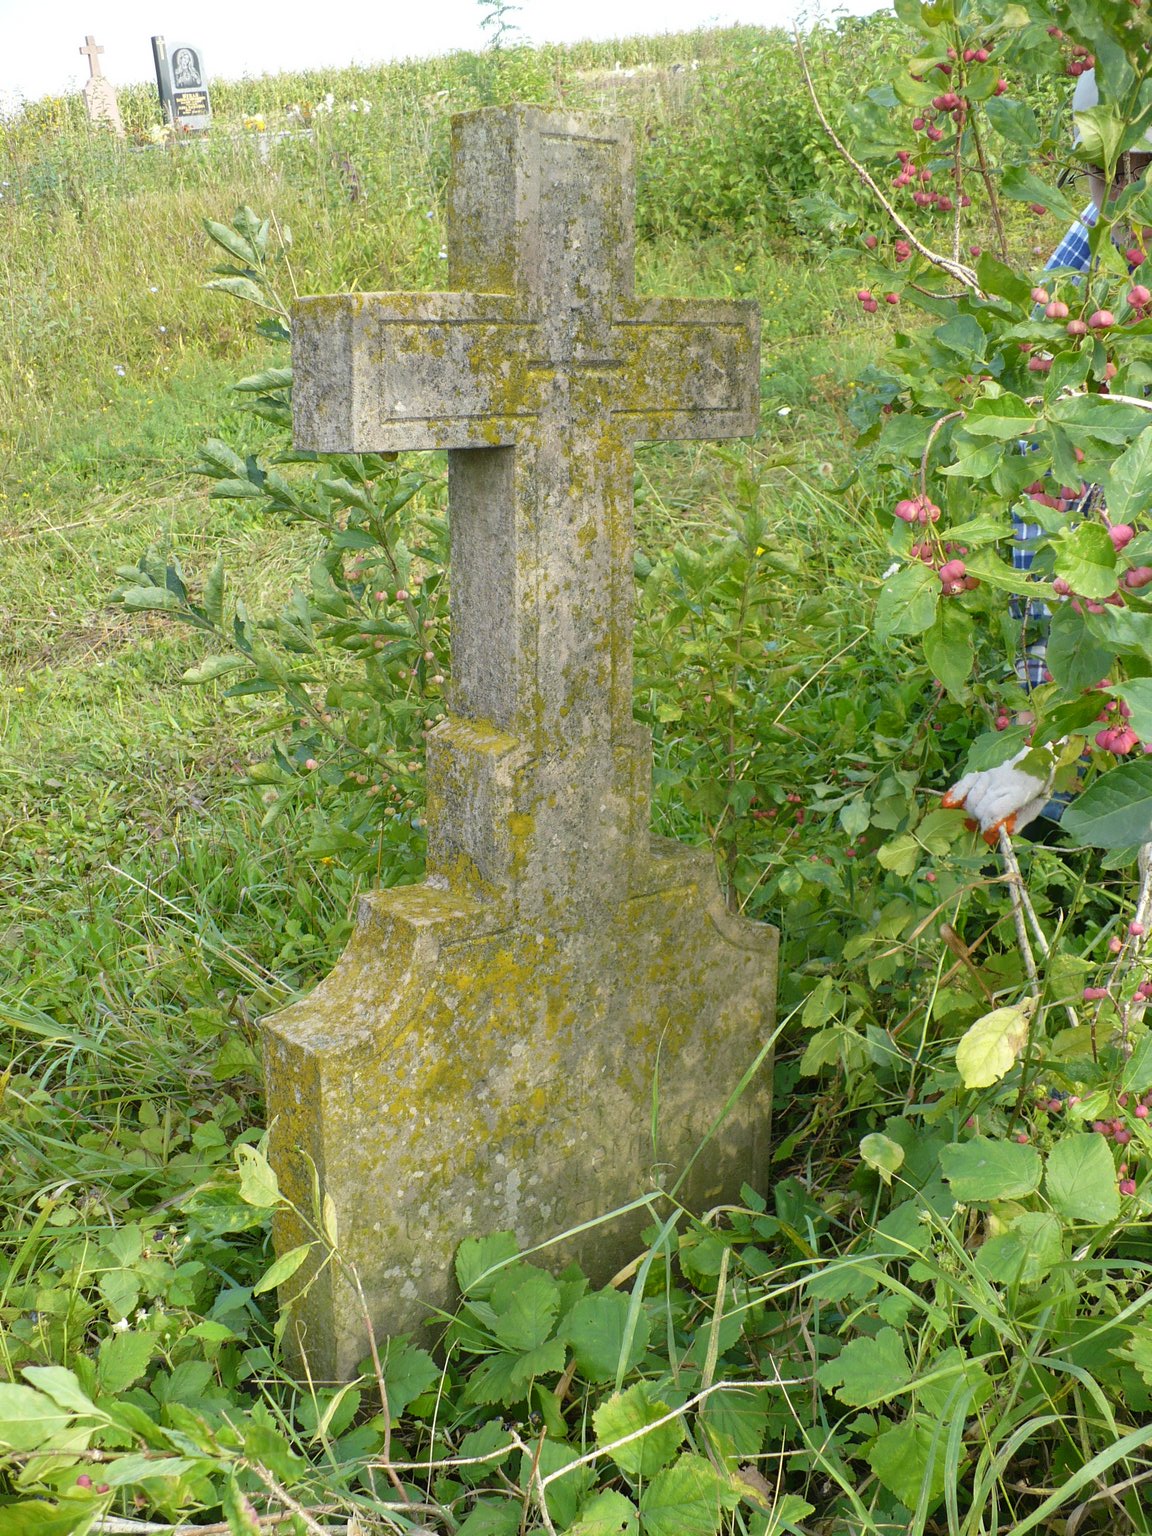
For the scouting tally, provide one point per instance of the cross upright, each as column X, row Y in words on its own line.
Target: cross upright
column 538, row 371
column 488, row 1052
column 93, row 53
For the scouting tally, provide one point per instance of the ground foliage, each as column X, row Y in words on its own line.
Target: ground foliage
column 935, row 1319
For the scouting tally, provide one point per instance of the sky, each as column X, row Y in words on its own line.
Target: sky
column 41, row 41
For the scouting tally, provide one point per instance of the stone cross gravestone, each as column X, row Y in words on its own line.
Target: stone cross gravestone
column 99, row 93
column 495, row 1045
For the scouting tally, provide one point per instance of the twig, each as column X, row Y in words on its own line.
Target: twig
column 1134, row 942
column 1015, row 890
column 286, row 1498
column 119, row 1525
column 936, row 425
column 990, row 188
column 956, row 269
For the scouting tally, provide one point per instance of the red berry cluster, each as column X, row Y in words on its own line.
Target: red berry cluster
column 917, row 509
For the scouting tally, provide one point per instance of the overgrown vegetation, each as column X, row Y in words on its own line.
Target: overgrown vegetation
column 216, row 662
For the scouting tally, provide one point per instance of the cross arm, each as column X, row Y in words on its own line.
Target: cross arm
column 390, row 372
column 691, row 368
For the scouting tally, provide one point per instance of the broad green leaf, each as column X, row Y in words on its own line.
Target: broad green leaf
column 1005, row 282
column 1137, row 694
column 1115, row 811
column 735, row 1423
column 1100, row 130
column 214, row 666
column 242, row 288
column 868, row 1370
column 1015, row 122
column 490, row 1437
column 123, row 1359
column 907, row 602
column 994, row 748
column 1110, row 421
column 1026, row 1254
column 1075, row 657
column 594, row 1331
column 687, row 1499
column 900, row 854
column 949, row 649
column 27, row 1418
column 1137, row 1074
column 233, row 242
column 786, row 1514
column 855, row 816
column 530, row 1314
column 61, row 1386
column 283, row 1269
column 988, row 1049
column 983, row 1169
column 1128, row 483
column 259, row 1185
column 145, row 599
column 493, row 1517
column 908, row 1456
column 120, row 1290
column 543, row 1360
column 936, row 1385
column 239, row 1511
column 1003, row 417
column 1025, row 186
column 214, row 594
column 1081, row 1179
column 1086, row 558
column 963, row 335
column 607, row 1514
column 632, row 1410
column 476, row 1256
column 882, row 1153
column 267, row 379
column 33, row 1517
column 127, row 1470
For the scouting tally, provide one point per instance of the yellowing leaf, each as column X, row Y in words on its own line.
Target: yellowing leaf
column 989, row 1049
column 882, row 1153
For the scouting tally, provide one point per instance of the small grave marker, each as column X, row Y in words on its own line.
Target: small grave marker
column 99, row 93
column 484, row 1054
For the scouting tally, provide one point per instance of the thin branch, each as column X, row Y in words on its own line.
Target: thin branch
column 955, row 269
column 1015, row 889
column 386, row 1450
column 285, row 1498
column 990, row 188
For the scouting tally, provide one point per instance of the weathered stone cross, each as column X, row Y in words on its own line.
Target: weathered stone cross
column 484, row 1055
column 93, row 53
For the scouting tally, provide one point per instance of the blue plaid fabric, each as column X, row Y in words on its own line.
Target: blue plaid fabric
column 1071, row 254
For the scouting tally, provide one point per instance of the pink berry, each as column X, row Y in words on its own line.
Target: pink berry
column 1040, row 295
column 863, row 293
column 311, row 764
column 103, row 1488
column 930, row 876
column 83, row 1481
column 974, row 250
column 1115, row 944
column 1077, row 328
column 1139, row 576
column 1038, row 208
column 1121, row 534
column 891, row 298
column 1039, row 364
column 1101, row 319
column 1094, row 994
column 1141, row 1111
column 981, row 55
column 1122, row 1137
column 871, row 242
column 1127, row 1186
column 870, row 306
column 952, row 570
column 1136, row 930
column 1138, row 296
column 902, row 250
column 934, row 133
column 1057, row 310
column 1001, row 722
column 401, row 595
column 1134, row 256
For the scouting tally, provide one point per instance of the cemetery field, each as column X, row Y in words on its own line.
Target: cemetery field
column 212, row 729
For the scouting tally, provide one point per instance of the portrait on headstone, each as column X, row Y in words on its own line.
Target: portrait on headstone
column 186, row 74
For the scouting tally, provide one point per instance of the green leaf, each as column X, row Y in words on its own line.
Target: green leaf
column 687, row 1499
column 1128, row 483
column 1115, row 811
column 259, row 1185
column 1137, row 694
column 1138, row 1350
column 283, row 1269
column 238, row 1511
column 964, row 335
column 214, row 666
column 1026, row 1254
column 214, row 594
column 907, row 602
column 906, row 1457
column 1137, row 1074
column 1025, row 186
column 120, row 1290
column 882, row 1153
column 1081, row 1179
column 607, row 1514
column 1086, row 558
column 1003, row 417
column 736, row 1422
column 267, row 379
column 868, row 1371
column 146, row 599
column 949, row 649
column 61, row 1386
column 1108, row 420
column 233, row 242
column 408, row 1373
column 242, row 288
column 594, row 1330
column 123, row 1359
column 477, row 1255
column 988, row 1049
column 1075, row 658
column 493, row 1517
column 127, row 1470
column 33, row 1517
column 627, row 1412
column 27, row 1418
column 531, row 1313
column 983, row 1169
